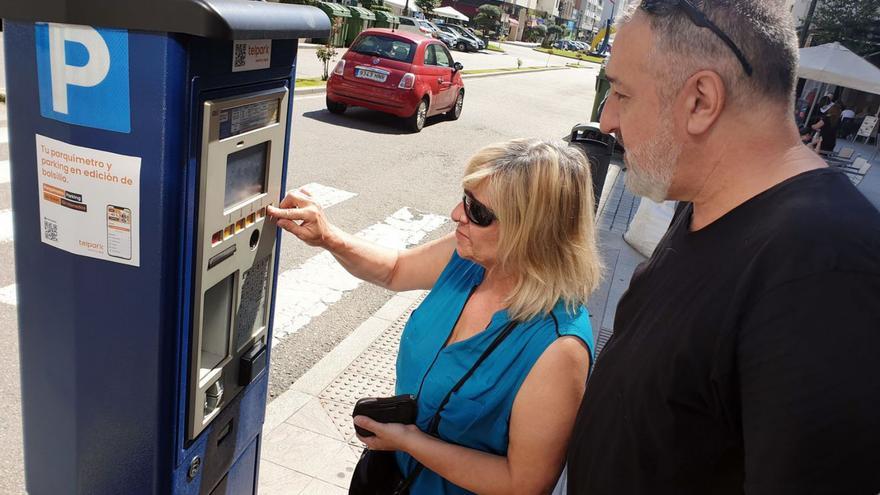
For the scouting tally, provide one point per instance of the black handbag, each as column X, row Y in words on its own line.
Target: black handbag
column 377, row 473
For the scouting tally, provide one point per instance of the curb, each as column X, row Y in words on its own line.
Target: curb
column 323, row 89
column 322, row 374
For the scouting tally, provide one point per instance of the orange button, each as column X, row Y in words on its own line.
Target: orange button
column 261, row 213
column 251, row 219
column 217, row 237
column 227, row 232
column 239, row 226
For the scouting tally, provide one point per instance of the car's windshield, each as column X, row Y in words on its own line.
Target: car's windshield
column 426, row 24
column 381, row 46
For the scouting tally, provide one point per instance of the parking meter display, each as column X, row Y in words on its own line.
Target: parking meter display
column 238, row 120
column 246, row 174
column 119, row 232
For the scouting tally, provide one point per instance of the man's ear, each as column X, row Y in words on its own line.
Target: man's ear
column 704, row 95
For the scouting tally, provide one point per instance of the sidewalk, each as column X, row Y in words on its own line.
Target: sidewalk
column 309, row 446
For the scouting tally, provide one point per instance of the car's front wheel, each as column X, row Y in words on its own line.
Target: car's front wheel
column 416, row 121
column 335, row 107
column 461, row 47
column 455, row 112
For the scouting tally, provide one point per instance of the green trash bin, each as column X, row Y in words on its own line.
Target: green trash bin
column 386, row 20
column 602, row 87
column 360, row 19
column 338, row 15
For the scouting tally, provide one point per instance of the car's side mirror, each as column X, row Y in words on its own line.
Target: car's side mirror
column 457, row 66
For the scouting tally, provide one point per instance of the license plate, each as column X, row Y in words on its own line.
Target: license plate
column 371, row 75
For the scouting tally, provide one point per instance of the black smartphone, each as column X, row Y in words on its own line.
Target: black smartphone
column 397, row 409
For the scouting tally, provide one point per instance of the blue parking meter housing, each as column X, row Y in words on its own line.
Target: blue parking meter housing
column 146, row 141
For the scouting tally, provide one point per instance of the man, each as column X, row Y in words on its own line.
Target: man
column 745, row 354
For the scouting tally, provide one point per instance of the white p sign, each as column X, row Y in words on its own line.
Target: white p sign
column 63, row 74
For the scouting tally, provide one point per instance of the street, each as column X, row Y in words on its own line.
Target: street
column 376, row 178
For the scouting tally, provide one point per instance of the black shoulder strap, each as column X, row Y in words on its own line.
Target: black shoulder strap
column 435, row 422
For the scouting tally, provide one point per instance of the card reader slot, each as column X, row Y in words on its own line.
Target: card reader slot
column 223, row 256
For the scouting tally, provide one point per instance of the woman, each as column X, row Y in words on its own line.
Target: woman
column 829, row 119
column 523, row 251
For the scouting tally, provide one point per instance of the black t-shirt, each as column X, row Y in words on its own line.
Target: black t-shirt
column 746, row 355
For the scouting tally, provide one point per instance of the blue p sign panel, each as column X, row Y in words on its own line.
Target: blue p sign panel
column 83, row 76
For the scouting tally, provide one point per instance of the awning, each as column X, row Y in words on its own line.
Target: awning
column 334, row 9
column 400, row 4
column 450, row 13
column 386, row 17
column 362, row 13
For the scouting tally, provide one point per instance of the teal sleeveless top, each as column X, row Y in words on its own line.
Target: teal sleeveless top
column 478, row 415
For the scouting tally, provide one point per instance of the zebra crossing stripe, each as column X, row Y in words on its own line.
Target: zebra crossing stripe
column 8, row 295
column 5, row 225
column 310, row 289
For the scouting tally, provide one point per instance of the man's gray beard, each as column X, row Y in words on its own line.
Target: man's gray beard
column 651, row 166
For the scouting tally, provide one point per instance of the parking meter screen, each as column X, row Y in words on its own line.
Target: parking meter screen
column 246, row 174
column 238, row 120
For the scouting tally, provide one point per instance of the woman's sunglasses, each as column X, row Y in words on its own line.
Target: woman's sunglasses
column 477, row 213
column 664, row 7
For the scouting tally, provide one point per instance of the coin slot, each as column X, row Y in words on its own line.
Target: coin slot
column 239, row 144
column 224, row 433
column 255, row 238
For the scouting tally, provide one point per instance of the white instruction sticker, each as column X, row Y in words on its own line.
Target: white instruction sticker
column 89, row 201
column 251, row 55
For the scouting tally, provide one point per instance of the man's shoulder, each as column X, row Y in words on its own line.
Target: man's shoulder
column 819, row 223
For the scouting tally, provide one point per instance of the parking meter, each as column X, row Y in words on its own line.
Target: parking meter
column 599, row 147
column 147, row 139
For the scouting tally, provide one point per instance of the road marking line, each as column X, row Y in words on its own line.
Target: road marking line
column 4, row 172
column 5, row 225
column 310, row 289
column 8, row 295
column 327, row 196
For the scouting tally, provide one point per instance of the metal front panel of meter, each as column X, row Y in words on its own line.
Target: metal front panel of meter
column 241, row 169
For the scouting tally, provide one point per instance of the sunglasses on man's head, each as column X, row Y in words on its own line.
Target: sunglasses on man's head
column 665, row 7
column 477, row 213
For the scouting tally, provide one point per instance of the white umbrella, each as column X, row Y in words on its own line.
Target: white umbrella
column 833, row 63
column 450, row 13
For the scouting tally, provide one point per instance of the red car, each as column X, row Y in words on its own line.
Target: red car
column 400, row 73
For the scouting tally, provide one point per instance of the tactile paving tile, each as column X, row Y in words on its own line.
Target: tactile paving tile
column 349, row 387
column 375, row 362
column 341, row 416
column 371, row 374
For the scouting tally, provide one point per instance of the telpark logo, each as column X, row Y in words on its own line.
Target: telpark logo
column 83, row 75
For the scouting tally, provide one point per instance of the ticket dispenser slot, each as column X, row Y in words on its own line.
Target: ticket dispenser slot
column 240, row 176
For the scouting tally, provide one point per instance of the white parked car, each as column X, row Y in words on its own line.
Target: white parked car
column 418, row 26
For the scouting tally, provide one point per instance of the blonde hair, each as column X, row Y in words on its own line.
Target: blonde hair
column 542, row 195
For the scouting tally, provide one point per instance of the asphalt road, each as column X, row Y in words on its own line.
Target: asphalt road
column 365, row 153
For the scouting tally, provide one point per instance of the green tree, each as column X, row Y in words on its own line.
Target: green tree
column 427, row 6
column 850, row 22
column 536, row 33
column 488, row 20
column 554, row 32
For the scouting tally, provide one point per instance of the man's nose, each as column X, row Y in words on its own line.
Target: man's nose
column 608, row 121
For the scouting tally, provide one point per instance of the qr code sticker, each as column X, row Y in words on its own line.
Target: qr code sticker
column 240, row 55
column 50, row 230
